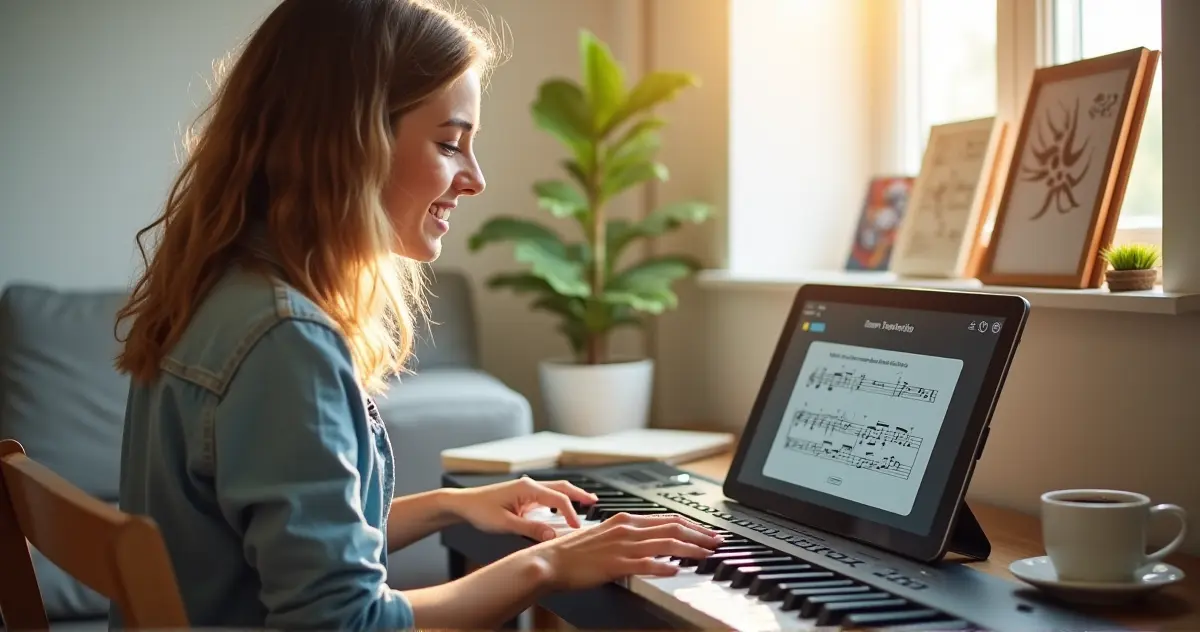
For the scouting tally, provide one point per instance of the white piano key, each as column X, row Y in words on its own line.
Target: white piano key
column 709, row 604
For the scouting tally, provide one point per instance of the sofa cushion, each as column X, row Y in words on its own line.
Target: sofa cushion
column 450, row 340
column 60, row 395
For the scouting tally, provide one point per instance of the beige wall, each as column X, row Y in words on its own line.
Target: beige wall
column 1093, row 399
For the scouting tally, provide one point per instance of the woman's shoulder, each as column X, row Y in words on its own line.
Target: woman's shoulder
column 241, row 310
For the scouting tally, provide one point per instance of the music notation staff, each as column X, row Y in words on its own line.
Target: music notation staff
column 833, row 437
column 877, row 434
column 888, row 465
column 855, row 381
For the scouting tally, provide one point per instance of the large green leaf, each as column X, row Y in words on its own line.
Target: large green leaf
column 573, row 330
column 563, row 274
column 637, row 149
column 603, row 77
column 646, row 286
column 566, row 306
column 519, row 282
column 655, row 88
column 635, row 131
column 575, row 169
column 621, row 233
column 631, row 175
column 560, row 198
column 502, row 228
column 562, row 110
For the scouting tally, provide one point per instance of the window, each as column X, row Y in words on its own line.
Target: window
column 1089, row 28
column 950, row 50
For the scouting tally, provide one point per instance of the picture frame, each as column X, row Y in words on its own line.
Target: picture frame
column 879, row 221
column 951, row 199
column 1068, row 171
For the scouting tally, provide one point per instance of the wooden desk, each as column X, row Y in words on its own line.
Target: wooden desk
column 1016, row 536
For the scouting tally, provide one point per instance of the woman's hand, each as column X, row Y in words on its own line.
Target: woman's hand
column 500, row 508
column 620, row 546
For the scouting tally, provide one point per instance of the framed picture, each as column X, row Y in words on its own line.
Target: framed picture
column 880, row 219
column 951, row 199
column 1069, row 167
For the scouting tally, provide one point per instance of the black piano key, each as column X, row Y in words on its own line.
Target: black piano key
column 760, row 551
column 880, row 619
column 776, row 592
column 605, row 514
column 744, row 576
column 812, row 604
column 766, row 581
column 596, row 511
column 725, row 569
column 794, row 599
column 709, row 564
column 744, row 546
column 833, row 613
column 736, row 541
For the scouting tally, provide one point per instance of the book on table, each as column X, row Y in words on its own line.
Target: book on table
column 546, row 449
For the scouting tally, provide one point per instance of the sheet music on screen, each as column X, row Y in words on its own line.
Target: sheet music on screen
column 869, row 407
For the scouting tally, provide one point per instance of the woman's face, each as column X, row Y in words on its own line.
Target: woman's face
column 434, row 164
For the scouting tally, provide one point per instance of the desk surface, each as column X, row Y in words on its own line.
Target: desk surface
column 1015, row 536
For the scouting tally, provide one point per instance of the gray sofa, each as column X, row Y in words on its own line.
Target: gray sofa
column 61, row 398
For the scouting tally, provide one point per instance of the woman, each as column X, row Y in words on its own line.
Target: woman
column 282, row 293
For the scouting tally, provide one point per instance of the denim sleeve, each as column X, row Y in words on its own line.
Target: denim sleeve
column 288, row 440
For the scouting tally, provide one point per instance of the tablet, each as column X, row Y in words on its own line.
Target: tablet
column 873, row 411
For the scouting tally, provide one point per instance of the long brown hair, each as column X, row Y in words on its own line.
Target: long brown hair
column 297, row 144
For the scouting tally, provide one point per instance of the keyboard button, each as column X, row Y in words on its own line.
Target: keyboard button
column 833, row 613
column 889, row 619
column 745, row 575
column 811, row 605
column 766, row 581
column 725, row 569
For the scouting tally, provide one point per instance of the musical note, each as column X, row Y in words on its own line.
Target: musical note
column 855, row 381
column 833, row 437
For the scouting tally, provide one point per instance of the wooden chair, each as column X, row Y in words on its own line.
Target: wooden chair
column 119, row 555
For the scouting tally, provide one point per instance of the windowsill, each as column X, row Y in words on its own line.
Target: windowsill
column 1154, row 301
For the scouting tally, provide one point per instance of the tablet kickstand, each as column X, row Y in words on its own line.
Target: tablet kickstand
column 968, row 538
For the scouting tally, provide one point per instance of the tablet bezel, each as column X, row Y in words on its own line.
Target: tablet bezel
column 932, row 546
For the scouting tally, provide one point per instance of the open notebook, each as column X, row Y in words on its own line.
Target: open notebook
column 551, row 449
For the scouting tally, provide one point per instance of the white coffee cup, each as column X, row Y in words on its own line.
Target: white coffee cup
column 1099, row 535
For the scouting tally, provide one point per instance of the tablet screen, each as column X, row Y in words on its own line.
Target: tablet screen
column 868, row 409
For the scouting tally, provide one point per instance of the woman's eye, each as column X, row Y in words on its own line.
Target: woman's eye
column 449, row 149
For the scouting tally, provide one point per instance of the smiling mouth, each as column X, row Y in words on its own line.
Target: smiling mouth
column 440, row 212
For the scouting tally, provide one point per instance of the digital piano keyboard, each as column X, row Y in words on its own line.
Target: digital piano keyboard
column 774, row 575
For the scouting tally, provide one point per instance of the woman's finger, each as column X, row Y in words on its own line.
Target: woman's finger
column 557, row 500
column 572, row 492
column 646, row 566
column 657, row 547
column 651, row 520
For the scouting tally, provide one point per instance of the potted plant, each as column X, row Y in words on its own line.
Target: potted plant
column 611, row 136
column 1133, row 267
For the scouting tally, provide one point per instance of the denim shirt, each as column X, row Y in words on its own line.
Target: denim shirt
column 267, row 469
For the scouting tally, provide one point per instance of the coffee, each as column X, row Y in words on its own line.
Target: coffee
column 1093, row 501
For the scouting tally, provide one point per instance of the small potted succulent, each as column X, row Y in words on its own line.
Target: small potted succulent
column 1133, row 267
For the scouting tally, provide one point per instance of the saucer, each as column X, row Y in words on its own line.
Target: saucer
column 1039, row 571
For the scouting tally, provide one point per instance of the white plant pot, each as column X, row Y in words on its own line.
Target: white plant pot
column 590, row 400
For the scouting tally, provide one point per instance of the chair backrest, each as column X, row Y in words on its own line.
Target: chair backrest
column 119, row 555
